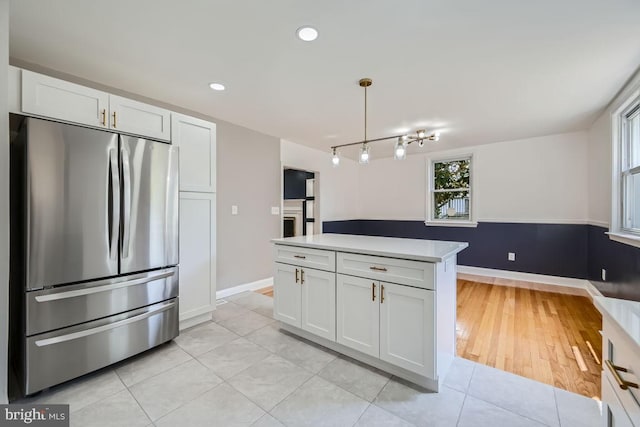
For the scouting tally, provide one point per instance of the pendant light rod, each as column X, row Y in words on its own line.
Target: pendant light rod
column 420, row 135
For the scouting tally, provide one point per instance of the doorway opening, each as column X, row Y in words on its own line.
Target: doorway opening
column 300, row 203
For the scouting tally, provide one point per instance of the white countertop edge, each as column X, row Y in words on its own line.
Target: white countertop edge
column 630, row 307
column 383, row 253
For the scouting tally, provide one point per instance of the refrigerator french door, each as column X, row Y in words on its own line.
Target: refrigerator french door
column 94, row 251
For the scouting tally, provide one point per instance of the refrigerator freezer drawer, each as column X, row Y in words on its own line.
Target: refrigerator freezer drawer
column 71, row 352
column 70, row 305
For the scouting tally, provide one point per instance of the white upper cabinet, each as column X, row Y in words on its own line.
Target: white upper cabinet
column 197, row 141
column 48, row 97
column 57, row 99
column 138, row 118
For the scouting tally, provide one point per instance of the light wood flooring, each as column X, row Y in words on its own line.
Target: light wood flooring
column 529, row 332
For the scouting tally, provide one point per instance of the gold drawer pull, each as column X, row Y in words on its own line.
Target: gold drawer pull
column 104, row 117
column 300, row 256
column 378, row 268
column 297, row 275
column 381, row 294
column 616, row 376
column 114, row 119
column 373, row 292
column 301, row 277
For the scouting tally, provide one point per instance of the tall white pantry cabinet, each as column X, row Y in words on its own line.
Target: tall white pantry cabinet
column 197, row 141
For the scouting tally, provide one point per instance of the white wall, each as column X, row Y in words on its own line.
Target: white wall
column 4, row 194
column 338, row 186
column 537, row 179
column 599, row 171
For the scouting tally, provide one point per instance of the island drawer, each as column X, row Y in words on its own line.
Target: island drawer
column 624, row 364
column 306, row 257
column 392, row 270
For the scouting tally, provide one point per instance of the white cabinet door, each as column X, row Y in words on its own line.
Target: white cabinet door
column 197, row 254
column 197, row 141
column 319, row 302
column 138, row 118
column 57, row 99
column 613, row 412
column 287, row 294
column 407, row 322
column 358, row 314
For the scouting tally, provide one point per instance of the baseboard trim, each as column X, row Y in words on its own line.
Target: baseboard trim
column 195, row 320
column 252, row 286
column 551, row 283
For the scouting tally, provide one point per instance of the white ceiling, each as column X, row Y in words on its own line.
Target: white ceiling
column 480, row 71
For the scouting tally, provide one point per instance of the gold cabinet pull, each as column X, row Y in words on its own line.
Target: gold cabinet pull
column 104, row 117
column 615, row 371
column 300, row 256
column 114, row 119
column 381, row 294
column 296, row 275
column 373, row 292
column 377, row 268
column 301, row 276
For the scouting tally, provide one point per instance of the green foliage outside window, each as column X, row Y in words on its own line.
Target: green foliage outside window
column 450, row 175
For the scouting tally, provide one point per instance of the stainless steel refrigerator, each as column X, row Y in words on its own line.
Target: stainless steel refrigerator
column 94, row 249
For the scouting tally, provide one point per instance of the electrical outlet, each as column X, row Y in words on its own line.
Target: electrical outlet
column 511, row 256
column 275, row 210
column 234, row 210
column 604, row 275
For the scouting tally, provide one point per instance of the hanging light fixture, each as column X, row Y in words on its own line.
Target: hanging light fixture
column 335, row 159
column 364, row 154
column 400, row 149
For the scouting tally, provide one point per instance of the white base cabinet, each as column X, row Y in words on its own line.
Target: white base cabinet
column 197, row 256
column 358, row 310
column 305, row 298
column 407, row 328
column 392, row 313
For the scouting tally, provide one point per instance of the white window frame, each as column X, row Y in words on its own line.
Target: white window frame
column 617, row 231
column 429, row 217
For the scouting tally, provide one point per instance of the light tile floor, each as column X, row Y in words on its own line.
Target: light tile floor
column 241, row 370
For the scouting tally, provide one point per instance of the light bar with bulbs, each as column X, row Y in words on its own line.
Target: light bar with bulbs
column 399, row 150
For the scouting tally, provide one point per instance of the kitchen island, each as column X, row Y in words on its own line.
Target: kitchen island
column 387, row 302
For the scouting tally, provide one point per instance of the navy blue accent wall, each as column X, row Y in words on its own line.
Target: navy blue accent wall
column 295, row 183
column 621, row 261
column 566, row 250
column 551, row 249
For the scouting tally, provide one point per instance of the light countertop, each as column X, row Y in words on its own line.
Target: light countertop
column 414, row 249
column 625, row 313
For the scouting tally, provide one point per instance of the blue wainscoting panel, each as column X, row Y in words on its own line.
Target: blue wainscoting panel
column 566, row 250
column 621, row 261
column 550, row 249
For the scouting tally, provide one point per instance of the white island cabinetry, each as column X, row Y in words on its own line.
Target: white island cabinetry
column 384, row 301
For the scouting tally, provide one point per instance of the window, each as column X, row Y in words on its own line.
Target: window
column 630, row 169
column 449, row 199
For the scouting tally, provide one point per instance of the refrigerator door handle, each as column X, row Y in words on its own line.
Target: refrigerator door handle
column 93, row 331
column 103, row 288
column 115, row 203
column 126, row 203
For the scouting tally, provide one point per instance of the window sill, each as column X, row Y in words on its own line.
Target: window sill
column 626, row 238
column 451, row 223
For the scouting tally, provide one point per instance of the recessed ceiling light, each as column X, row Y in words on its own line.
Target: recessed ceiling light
column 216, row 86
column 307, row 34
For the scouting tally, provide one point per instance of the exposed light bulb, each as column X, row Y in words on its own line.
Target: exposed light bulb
column 421, row 143
column 400, row 150
column 335, row 159
column 436, row 136
column 364, row 154
column 420, row 133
